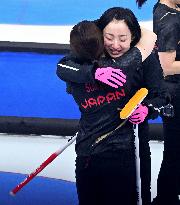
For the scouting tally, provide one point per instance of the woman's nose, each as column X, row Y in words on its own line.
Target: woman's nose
column 116, row 44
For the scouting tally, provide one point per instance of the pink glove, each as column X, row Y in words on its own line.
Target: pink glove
column 139, row 114
column 110, row 76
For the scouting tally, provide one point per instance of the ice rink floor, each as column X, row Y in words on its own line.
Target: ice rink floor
column 24, row 153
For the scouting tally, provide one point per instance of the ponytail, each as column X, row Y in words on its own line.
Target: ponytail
column 140, row 2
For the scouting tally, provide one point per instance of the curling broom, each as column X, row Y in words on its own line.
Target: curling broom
column 124, row 114
column 42, row 166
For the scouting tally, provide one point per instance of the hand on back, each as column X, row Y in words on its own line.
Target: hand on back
column 113, row 77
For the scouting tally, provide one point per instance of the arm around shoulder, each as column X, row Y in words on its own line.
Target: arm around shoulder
column 70, row 70
column 146, row 43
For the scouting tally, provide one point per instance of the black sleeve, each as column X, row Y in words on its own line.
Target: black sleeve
column 131, row 57
column 70, row 69
column 158, row 94
column 167, row 36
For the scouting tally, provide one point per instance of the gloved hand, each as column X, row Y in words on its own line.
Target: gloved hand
column 113, row 77
column 139, row 114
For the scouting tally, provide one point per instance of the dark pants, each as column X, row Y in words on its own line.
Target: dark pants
column 168, row 183
column 106, row 179
column 145, row 163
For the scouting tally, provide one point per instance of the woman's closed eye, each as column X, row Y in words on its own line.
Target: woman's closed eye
column 123, row 39
column 109, row 38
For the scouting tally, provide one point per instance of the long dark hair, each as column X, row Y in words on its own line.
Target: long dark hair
column 140, row 2
column 86, row 41
column 119, row 13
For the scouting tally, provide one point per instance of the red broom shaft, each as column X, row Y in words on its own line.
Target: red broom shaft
column 42, row 166
column 33, row 174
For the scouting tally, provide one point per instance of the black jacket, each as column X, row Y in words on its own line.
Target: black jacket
column 99, row 104
column 166, row 24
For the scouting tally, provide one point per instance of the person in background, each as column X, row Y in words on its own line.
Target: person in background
column 166, row 24
column 166, row 21
column 105, row 163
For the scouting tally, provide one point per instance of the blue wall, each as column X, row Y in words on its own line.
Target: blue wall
column 30, row 88
column 59, row 12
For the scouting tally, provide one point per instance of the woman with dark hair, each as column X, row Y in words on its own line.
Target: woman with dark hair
column 86, row 41
column 105, row 163
column 166, row 24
